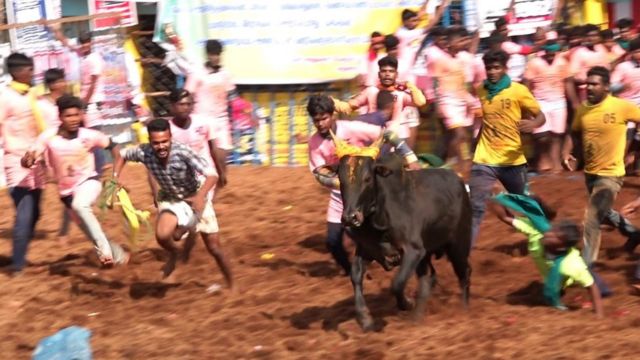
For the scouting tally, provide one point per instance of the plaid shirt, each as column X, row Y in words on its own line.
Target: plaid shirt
column 179, row 179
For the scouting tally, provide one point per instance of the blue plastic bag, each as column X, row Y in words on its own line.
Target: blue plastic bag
column 70, row 343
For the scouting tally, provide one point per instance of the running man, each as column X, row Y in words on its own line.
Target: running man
column 213, row 90
column 322, row 154
column 508, row 109
column 21, row 121
column 388, row 75
column 547, row 76
column 600, row 126
column 69, row 152
column 453, row 101
column 183, row 202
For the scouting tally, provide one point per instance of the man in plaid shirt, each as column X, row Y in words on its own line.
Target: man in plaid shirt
column 183, row 202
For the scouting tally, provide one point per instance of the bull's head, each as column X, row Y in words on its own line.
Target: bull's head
column 357, row 180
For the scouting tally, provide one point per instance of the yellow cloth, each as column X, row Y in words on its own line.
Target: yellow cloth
column 417, row 96
column 604, row 128
column 500, row 143
column 33, row 101
column 573, row 269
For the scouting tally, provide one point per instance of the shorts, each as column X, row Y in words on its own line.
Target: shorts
column 207, row 222
column 410, row 117
column 455, row 113
column 222, row 130
column 555, row 113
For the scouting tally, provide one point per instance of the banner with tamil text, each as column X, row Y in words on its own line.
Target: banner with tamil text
column 283, row 41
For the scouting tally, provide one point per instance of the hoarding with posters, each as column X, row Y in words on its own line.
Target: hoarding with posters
column 126, row 8
column 527, row 15
column 34, row 40
column 283, row 41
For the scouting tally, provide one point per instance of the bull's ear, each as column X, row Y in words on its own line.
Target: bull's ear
column 383, row 170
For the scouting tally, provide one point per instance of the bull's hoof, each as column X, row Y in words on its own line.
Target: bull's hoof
column 366, row 323
column 405, row 304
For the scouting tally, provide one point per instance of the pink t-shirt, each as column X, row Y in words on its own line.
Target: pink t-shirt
column 432, row 55
column 370, row 70
column 628, row 74
column 368, row 98
column 473, row 67
column 322, row 151
column 450, row 72
column 613, row 54
column 19, row 132
column 583, row 59
column 241, row 111
column 49, row 112
column 90, row 65
column 72, row 160
column 210, row 91
column 408, row 46
column 547, row 80
column 196, row 137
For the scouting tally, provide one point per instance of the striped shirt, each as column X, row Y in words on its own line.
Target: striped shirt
column 179, row 179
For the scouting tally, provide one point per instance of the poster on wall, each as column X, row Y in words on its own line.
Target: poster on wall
column 283, row 41
column 126, row 8
column 34, row 40
column 114, row 109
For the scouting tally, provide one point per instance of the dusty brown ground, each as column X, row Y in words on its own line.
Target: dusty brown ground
column 296, row 305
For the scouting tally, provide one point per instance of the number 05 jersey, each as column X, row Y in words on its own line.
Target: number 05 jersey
column 500, row 143
column 603, row 127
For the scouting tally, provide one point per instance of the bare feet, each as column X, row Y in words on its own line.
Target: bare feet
column 169, row 268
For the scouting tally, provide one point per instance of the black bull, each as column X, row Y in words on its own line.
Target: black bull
column 406, row 217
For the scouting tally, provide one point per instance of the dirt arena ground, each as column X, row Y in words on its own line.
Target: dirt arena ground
column 296, row 305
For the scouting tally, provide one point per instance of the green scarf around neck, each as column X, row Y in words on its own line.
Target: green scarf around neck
column 494, row 89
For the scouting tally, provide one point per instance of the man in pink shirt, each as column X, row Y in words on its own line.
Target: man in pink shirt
column 369, row 72
column 453, row 102
column 410, row 38
column 213, row 89
column 587, row 56
column 20, row 123
column 322, row 156
column 609, row 46
column 56, row 83
column 198, row 134
column 547, row 76
column 625, row 81
column 387, row 75
column 69, row 152
column 196, row 131
column 91, row 83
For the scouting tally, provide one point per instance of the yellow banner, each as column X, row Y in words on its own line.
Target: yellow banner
column 284, row 41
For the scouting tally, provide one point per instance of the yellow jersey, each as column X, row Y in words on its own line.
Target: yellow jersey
column 604, row 127
column 500, row 143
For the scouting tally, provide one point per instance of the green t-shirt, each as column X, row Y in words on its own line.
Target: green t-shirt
column 573, row 269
